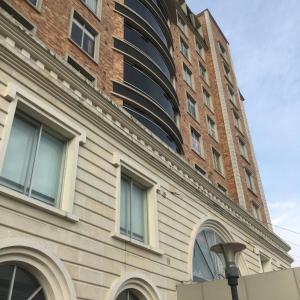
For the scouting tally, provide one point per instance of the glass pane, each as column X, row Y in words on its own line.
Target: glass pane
column 48, row 166
column 39, row 296
column 17, row 163
column 25, row 284
column 92, row 4
column 88, row 44
column 124, row 218
column 76, row 34
column 6, row 272
column 138, row 212
column 201, row 270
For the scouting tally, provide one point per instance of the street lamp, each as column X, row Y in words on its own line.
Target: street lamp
column 229, row 250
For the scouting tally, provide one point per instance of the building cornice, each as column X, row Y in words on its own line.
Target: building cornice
column 24, row 53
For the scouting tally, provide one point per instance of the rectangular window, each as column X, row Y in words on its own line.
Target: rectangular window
column 91, row 4
column 196, row 144
column 227, row 71
column 83, row 35
column 187, row 75
column 36, row 169
column 207, row 99
column 243, row 148
column 237, row 120
column 191, row 106
column 184, row 48
column 217, row 160
column 212, row 128
column 222, row 189
column 181, row 23
column 203, row 72
column 133, row 210
column 80, row 69
column 200, row 170
column 222, row 50
column 249, row 180
column 256, row 211
column 33, row 2
column 231, row 95
column 200, row 50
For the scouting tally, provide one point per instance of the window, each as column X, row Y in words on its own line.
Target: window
column 203, row 72
column 133, row 219
column 184, row 48
column 18, row 283
column 243, row 148
column 36, row 171
column 212, row 128
column 217, row 161
column 187, row 75
column 129, row 294
column 16, row 15
column 223, row 51
column 237, row 120
column 249, row 180
column 80, row 69
column 200, row 170
column 227, row 71
column 181, row 23
column 222, row 189
column 191, row 106
column 200, row 50
column 33, row 2
column 256, row 211
column 265, row 262
column 83, row 35
column 196, row 143
column 91, row 4
column 231, row 95
column 207, row 99
column 207, row 265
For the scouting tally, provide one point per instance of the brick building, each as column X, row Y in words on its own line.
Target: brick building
column 135, row 156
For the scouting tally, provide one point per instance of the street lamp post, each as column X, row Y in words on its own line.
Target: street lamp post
column 229, row 250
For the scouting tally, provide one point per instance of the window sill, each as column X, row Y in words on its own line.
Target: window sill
column 198, row 154
column 220, row 173
column 191, row 86
column 239, row 130
column 214, row 138
column 38, row 204
column 245, row 159
column 37, row 8
column 252, row 192
column 136, row 243
column 95, row 60
column 209, row 108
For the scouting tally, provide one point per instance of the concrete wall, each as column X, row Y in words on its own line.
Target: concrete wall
column 268, row 286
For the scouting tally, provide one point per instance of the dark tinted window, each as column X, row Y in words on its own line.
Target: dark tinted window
column 147, row 15
column 139, row 40
column 146, row 84
column 152, row 126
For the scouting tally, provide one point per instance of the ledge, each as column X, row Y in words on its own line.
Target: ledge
column 38, row 204
column 137, row 243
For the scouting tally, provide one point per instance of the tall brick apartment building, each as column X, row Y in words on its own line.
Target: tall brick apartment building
column 124, row 152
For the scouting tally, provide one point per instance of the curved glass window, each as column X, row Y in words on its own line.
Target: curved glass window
column 129, row 294
column 151, row 124
column 206, row 264
column 18, row 284
column 147, row 85
column 159, row 5
column 143, row 43
column 146, row 14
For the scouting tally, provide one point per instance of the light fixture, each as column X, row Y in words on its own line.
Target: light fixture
column 230, row 250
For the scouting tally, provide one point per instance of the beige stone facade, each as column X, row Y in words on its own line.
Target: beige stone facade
column 75, row 248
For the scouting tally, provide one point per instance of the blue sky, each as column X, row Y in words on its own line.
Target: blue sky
column 264, row 37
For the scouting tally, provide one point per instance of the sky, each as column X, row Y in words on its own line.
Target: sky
column 264, row 37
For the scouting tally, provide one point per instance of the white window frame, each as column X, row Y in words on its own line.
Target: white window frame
column 131, row 168
column 237, row 120
column 250, row 180
column 256, row 211
column 222, row 189
column 212, row 128
column 43, row 112
column 98, row 10
column 182, row 27
column 231, row 95
column 217, row 161
column 203, row 72
column 187, row 72
column 186, row 47
column 207, row 99
column 199, row 149
column 243, row 148
column 200, row 51
column 189, row 99
column 96, row 38
column 38, row 5
column 227, row 68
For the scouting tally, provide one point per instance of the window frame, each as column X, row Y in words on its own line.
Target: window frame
column 256, row 211
column 182, row 27
column 212, row 128
column 98, row 10
column 187, row 55
column 195, row 133
column 129, row 167
column 38, row 5
column 243, row 148
column 190, row 99
column 203, row 70
column 217, row 161
column 250, row 180
column 95, row 56
column 190, row 73
column 45, row 113
column 209, row 105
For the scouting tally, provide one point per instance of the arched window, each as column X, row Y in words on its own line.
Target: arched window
column 17, row 283
column 206, row 264
column 129, row 294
